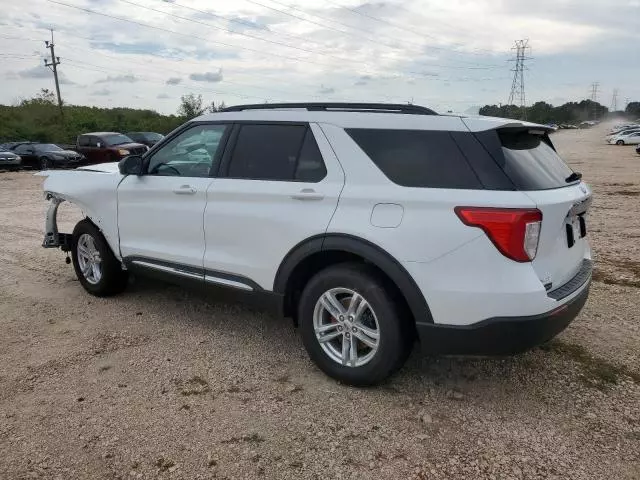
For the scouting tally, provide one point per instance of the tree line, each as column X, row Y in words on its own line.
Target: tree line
column 569, row 113
column 39, row 119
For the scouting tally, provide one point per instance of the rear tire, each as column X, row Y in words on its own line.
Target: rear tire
column 387, row 342
column 97, row 268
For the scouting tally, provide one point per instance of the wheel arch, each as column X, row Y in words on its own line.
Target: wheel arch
column 321, row 251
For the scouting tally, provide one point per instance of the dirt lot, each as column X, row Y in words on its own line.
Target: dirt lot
column 165, row 383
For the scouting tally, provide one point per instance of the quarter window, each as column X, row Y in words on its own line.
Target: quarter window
column 417, row 158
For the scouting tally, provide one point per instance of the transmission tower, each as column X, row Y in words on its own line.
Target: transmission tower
column 594, row 98
column 517, row 87
column 614, row 101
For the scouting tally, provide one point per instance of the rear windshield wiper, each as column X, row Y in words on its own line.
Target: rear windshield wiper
column 574, row 177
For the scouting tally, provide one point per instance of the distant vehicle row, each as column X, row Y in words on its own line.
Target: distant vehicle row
column 90, row 148
column 627, row 134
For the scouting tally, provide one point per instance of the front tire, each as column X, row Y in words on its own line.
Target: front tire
column 351, row 327
column 620, row 142
column 97, row 268
column 45, row 163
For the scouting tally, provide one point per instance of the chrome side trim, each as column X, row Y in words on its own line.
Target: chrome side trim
column 164, row 268
column 227, row 282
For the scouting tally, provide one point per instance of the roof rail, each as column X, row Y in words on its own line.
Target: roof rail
column 337, row 106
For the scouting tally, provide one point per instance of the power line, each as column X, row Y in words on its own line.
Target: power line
column 517, row 86
column 282, row 44
column 261, row 52
column 341, row 59
column 377, row 42
column 402, row 27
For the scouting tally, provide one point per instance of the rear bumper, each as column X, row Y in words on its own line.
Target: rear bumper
column 502, row 335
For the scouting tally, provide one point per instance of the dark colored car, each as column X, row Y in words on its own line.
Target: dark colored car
column 638, row 149
column 9, row 160
column 47, row 155
column 100, row 147
column 146, row 138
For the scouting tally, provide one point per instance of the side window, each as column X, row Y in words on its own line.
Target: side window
column 23, row 149
column 417, row 158
column 93, row 142
column 192, row 153
column 276, row 152
column 310, row 166
column 83, row 141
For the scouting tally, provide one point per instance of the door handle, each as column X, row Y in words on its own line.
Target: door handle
column 307, row 194
column 184, row 190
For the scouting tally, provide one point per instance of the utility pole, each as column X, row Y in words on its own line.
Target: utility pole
column 614, row 101
column 594, row 98
column 55, row 61
column 517, row 86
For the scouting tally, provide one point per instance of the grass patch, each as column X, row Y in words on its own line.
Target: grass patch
column 596, row 372
column 630, row 266
column 194, row 386
column 625, row 193
column 251, row 438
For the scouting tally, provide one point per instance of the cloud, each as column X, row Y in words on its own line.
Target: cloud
column 35, row 72
column 326, row 90
column 363, row 80
column 211, row 77
column 102, row 93
column 163, row 96
column 173, row 81
column 119, row 79
column 40, row 72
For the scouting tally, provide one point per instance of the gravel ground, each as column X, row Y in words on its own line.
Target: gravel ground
column 165, row 383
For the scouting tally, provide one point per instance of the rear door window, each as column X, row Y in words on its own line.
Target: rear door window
column 417, row 158
column 267, row 152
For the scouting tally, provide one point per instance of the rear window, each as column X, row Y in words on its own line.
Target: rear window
column 530, row 161
column 417, row 158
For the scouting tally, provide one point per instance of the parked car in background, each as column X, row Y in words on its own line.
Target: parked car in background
column 638, row 149
column 587, row 124
column 100, row 147
column 631, row 138
column 47, row 155
column 626, row 131
column 567, row 126
column 7, row 147
column 146, row 138
column 9, row 160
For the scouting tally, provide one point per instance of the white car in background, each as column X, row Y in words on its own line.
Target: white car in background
column 628, row 138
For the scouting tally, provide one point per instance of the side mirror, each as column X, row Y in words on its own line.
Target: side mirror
column 131, row 165
column 99, row 145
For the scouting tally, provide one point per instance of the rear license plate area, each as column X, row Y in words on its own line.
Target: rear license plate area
column 576, row 228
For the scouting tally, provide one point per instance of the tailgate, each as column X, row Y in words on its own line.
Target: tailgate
column 562, row 246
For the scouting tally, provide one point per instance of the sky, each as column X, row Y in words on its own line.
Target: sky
column 451, row 56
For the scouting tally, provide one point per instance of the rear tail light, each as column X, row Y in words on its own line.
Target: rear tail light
column 514, row 231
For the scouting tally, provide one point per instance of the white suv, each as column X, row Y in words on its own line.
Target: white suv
column 371, row 225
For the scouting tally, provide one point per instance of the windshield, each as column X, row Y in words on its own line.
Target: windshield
column 116, row 139
column 48, row 147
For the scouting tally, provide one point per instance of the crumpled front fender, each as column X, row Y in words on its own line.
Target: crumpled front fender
column 95, row 193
